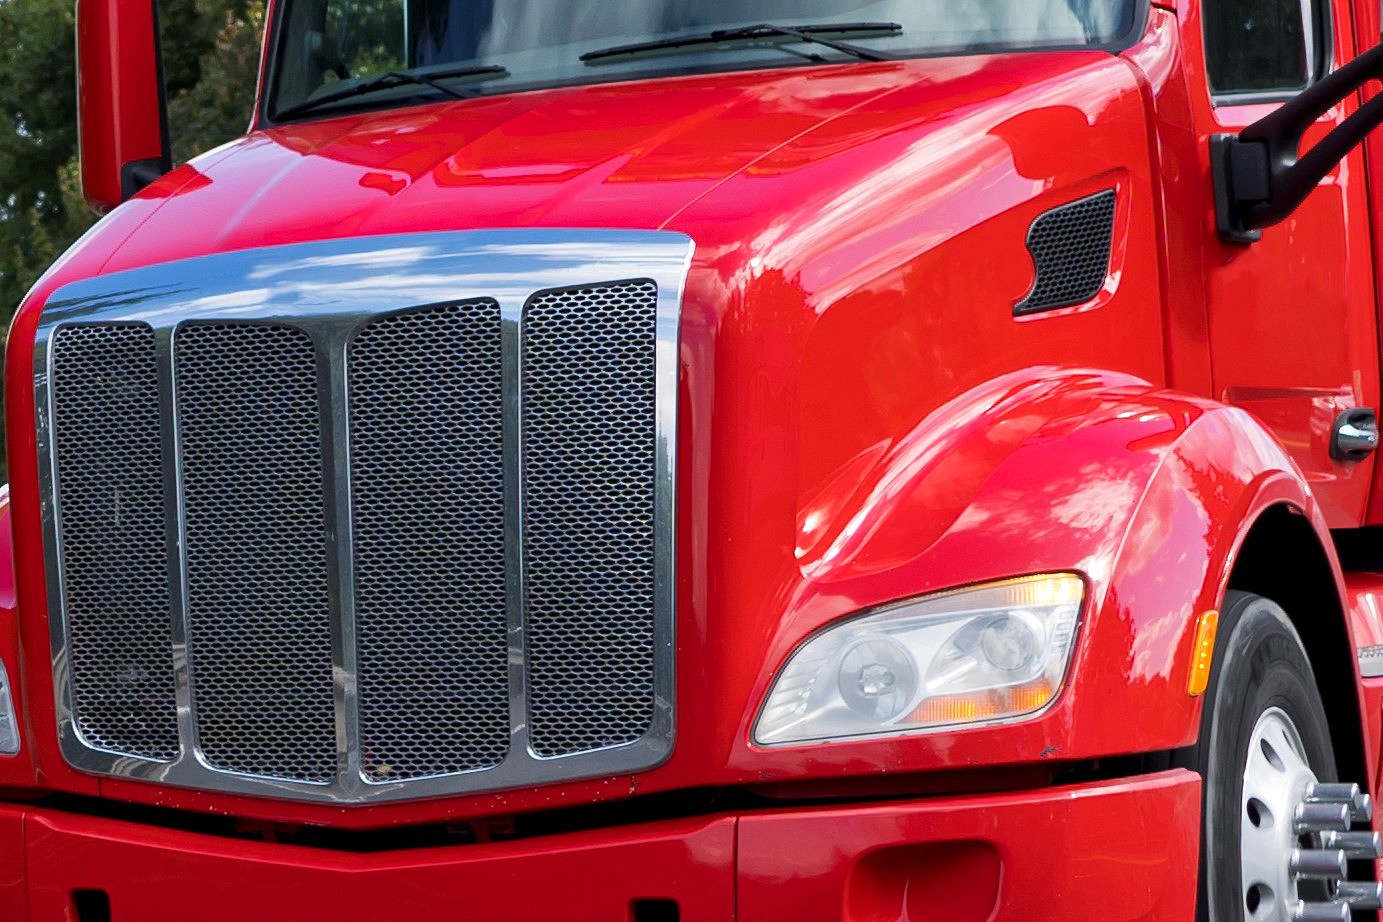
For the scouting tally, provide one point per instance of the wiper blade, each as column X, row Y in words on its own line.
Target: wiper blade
column 806, row 33
column 397, row 78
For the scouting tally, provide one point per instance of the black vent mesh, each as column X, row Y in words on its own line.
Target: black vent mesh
column 1070, row 248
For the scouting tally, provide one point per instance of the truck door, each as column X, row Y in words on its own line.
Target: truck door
column 1292, row 319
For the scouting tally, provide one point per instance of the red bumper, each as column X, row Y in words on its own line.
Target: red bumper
column 1122, row 850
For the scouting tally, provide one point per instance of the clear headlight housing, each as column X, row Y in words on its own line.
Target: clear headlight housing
column 9, row 721
column 988, row 654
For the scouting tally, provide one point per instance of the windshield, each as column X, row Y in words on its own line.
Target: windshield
column 340, row 55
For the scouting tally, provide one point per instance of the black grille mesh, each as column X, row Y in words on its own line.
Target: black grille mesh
column 1070, row 248
column 588, row 461
column 259, row 616
column 109, row 466
column 427, row 464
column 436, row 447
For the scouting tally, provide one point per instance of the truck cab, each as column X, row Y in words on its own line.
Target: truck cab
column 675, row 461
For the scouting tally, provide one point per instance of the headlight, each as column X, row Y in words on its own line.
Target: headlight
column 9, row 723
column 992, row 653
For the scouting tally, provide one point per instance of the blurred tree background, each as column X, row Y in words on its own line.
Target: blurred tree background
column 211, row 53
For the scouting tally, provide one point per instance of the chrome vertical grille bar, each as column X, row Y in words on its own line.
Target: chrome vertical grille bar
column 108, row 449
column 258, row 595
column 589, row 447
column 427, row 461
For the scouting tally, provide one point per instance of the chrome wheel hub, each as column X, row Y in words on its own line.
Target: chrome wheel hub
column 1276, row 776
column 1294, row 836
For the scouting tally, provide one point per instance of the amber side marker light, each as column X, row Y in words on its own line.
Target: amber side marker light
column 1202, row 652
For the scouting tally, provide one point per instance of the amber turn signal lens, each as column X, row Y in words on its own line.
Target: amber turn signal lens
column 950, row 709
column 1202, row 652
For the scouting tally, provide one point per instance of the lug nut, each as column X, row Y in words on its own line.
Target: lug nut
column 1334, row 792
column 1321, row 912
column 1324, row 863
column 1359, row 894
column 1354, row 844
column 1320, row 817
column 1360, row 804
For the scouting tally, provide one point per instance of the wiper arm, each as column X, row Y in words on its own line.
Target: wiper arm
column 806, row 33
column 396, row 78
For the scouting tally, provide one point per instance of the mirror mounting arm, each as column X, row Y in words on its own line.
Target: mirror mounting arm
column 1259, row 176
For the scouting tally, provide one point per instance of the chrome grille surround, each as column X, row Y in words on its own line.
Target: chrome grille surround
column 336, row 295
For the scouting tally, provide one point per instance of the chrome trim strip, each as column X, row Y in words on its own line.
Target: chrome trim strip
column 1371, row 661
column 335, row 397
column 69, row 737
column 331, row 289
column 511, row 316
column 177, row 542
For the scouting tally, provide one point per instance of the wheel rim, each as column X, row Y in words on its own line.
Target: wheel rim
column 1276, row 775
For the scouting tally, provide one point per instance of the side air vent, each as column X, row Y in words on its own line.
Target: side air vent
column 1070, row 247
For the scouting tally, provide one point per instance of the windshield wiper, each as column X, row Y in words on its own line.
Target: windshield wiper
column 396, row 78
column 806, row 33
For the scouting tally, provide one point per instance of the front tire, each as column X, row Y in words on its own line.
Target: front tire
column 1263, row 739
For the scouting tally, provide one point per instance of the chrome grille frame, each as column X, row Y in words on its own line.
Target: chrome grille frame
column 332, row 290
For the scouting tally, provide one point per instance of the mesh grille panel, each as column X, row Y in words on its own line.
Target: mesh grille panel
column 108, row 455
column 1070, row 248
column 427, row 463
column 589, row 455
column 254, row 518
column 343, row 537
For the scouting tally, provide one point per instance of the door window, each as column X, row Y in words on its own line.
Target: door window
column 1269, row 48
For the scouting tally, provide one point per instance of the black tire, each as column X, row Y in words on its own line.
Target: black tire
column 1259, row 665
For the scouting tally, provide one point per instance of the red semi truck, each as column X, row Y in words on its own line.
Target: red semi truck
column 698, row 461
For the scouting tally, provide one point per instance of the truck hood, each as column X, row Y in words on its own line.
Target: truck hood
column 626, row 155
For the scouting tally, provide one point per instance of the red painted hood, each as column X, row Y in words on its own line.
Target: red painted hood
column 626, row 155
column 630, row 155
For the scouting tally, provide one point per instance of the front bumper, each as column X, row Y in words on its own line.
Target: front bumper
column 1121, row 850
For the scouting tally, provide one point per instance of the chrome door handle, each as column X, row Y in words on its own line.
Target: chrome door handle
column 1355, row 435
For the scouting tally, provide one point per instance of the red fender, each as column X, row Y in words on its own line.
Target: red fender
column 1145, row 492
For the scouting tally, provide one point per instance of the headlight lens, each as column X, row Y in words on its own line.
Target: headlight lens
column 9, row 723
column 992, row 653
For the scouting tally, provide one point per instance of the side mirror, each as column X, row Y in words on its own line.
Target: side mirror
column 1260, row 175
column 122, row 116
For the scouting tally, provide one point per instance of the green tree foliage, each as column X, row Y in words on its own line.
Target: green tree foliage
column 213, row 104
column 211, row 52
column 38, row 137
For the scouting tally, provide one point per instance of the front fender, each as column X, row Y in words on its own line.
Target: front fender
column 1144, row 491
